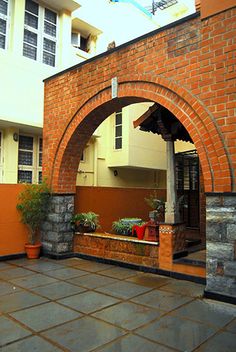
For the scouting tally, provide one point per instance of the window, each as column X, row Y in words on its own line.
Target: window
column 30, row 159
column 82, row 158
column 79, row 42
column 40, row 158
column 118, row 130
column 40, row 33
column 4, row 22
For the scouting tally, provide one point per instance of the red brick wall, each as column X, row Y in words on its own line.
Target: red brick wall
column 121, row 250
column 211, row 7
column 114, row 203
column 189, row 68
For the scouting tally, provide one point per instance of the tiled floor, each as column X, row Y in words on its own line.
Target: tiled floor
column 78, row 305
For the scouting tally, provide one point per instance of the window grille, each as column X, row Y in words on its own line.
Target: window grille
column 118, row 130
column 30, row 159
column 40, row 33
column 4, row 23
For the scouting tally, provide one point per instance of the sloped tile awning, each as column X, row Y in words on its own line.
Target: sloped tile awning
column 157, row 119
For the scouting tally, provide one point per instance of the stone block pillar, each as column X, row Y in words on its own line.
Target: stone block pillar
column 221, row 242
column 57, row 236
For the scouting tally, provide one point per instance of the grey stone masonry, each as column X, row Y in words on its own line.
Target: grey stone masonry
column 221, row 243
column 57, row 235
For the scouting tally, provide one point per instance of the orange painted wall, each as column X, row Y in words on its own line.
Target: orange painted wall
column 114, row 203
column 212, row 7
column 13, row 234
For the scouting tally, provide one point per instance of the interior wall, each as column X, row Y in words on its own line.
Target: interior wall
column 13, row 234
column 114, row 203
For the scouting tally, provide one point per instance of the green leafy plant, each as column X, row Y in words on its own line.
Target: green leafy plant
column 155, row 203
column 85, row 221
column 33, row 203
column 124, row 226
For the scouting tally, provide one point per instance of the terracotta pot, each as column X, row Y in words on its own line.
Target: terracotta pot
column 33, row 250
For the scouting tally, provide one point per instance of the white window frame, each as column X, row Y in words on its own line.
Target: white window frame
column 41, row 35
column 35, row 168
column 39, row 152
column 115, row 127
column 6, row 18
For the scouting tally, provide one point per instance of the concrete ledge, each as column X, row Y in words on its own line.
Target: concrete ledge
column 118, row 238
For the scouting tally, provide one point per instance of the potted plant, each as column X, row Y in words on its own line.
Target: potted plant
column 33, row 204
column 158, row 206
column 85, row 222
column 124, row 226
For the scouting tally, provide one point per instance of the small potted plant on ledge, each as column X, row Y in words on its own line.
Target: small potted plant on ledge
column 158, row 206
column 33, row 204
column 125, row 226
column 85, row 222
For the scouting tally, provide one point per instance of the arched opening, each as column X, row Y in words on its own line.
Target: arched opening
column 67, row 150
column 62, row 154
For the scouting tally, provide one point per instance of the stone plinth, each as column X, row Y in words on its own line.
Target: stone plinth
column 57, row 236
column 221, row 240
column 120, row 248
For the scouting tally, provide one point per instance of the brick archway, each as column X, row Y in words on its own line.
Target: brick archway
column 188, row 68
column 188, row 109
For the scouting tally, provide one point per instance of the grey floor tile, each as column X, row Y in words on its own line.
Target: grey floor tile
column 93, row 281
column 70, row 261
column 221, row 342
column 66, row 273
column 32, row 343
column 88, row 302
column 127, row 343
column 19, row 300
column 11, row 331
column 42, row 266
column 7, row 288
column 184, row 288
column 14, row 273
column 84, row 334
column 119, row 273
column 58, row 290
column 123, row 289
column 231, row 327
column 207, row 312
column 174, row 332
column 128, row 315
column 149, row 280
column 45, row 316
column 162, row 300
column 23, row 261
column 92, row 266
column 33, row 281
column 4, row 266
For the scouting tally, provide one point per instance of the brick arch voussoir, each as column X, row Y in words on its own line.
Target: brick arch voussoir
column 198, row 120
column 180, row 102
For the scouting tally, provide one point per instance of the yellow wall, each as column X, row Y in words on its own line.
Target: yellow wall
column 140, row 163
column 21, row 95
column 10, row 154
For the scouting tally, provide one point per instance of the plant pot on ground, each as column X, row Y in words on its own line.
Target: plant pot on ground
column 85, row 222
column 33, row 202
